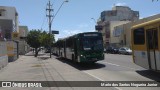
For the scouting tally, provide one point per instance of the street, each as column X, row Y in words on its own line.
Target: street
column 115, row 67
column 79, row 45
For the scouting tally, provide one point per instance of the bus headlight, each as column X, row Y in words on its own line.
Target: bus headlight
column 82, row 56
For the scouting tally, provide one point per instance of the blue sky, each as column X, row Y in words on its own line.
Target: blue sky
column 74, row 16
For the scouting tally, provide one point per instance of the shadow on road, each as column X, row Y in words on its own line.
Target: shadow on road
column 150, row 74
column 82, row 66
column 43, row 58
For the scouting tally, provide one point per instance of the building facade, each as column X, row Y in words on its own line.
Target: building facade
column 8, row 22
column 119, row 13
column 125, row 36
column 117, row 16
column 23, row 46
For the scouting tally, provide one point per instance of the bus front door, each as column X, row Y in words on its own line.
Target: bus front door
column 152, row 47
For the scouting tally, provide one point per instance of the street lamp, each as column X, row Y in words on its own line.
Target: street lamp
column 66, row 1
column 94, row 20
column 59, row 9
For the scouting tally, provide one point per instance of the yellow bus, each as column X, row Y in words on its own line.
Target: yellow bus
column 145, row 39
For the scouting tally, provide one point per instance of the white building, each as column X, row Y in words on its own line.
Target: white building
column 117, row 16
column 8, row 21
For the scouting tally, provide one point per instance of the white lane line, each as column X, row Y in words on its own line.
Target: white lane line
column 93, row 76
column 99, row 78
column 111, row 63
column 117, row 65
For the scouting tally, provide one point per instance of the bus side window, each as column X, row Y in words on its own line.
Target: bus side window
column 139, row 37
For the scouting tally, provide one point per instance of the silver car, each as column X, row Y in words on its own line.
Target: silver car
column 125, row 50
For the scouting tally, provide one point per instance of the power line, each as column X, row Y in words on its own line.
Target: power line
column 44, row 20
column 49, row 9
column 45, row 27
column 44, row 23
column 58, row 10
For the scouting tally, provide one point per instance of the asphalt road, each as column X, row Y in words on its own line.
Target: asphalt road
column 115, row 67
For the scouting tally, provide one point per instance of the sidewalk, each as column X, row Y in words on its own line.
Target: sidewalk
column 25, row 68
column 43, row 68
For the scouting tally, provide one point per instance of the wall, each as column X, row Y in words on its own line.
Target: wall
column 23, row 31
column 9, row 13
column 115, row 39
column 8, row 20
column 12, row 51
column 23, row 47
column 3, row 54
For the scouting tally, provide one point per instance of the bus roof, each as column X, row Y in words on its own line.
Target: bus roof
column 145, row 23
column 77, row 34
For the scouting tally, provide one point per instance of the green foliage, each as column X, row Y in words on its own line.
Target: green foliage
column 33, row 38
column 36, row 38
column 45, row 39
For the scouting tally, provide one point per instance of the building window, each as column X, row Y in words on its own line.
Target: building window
column 2, row 12
column 152, row 38
column 117, row 32
column 139, row 37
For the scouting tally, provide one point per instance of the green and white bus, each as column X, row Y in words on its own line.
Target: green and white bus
column 82, row 47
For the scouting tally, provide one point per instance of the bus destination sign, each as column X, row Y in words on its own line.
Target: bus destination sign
column 90, row 34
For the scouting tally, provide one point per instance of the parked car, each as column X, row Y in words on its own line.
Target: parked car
column 116, row 50
column 47, row 51
column 111, row 49
column 125, row 50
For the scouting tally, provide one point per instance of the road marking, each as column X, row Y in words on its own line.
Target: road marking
column 111, row 63
column 117, row 65
column 99, row 78
column 94, row 76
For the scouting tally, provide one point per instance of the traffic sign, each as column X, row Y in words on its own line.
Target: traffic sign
column 55, row 32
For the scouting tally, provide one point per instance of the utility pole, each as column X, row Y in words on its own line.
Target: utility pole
column 49, row 9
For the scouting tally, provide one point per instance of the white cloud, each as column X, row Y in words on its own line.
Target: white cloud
column 67, row 33
column 141, row 17
column 153, row 14
column 79, row 28
column 120, row 4
column 71, row 32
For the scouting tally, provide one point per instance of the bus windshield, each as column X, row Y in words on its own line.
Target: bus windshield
column 92, row 44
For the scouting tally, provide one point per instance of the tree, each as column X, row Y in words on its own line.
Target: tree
column 45, row 39
column 36, row 39
column 33, row 40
